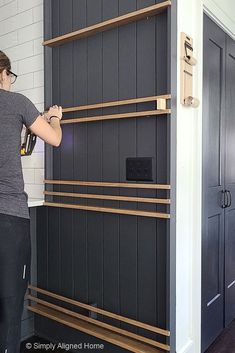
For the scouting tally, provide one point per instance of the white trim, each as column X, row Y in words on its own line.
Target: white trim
column 35, row 202
column 220, row 17
column 187, row 348
column 188, row 216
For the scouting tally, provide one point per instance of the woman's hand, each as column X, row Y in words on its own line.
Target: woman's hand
column 54, row 110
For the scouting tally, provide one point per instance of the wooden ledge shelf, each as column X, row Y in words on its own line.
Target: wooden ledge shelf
column 161, row 108
column 113, row 334
column 160, row 102
column 109, row 210
column 109, row 197
column 146, row 113
column 109, row 24
column 96, row 322
column 108, row 184
column 93, row 330
column 100, row 311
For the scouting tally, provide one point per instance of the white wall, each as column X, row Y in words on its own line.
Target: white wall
column 189, row 166
column 21, row 35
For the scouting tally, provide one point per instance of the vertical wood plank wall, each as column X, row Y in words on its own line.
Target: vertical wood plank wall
column 116, row 261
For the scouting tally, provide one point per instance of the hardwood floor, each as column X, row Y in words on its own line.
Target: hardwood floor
column 225, row 343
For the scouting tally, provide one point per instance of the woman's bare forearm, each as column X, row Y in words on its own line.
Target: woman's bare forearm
column 47, row 126
column 55, row 124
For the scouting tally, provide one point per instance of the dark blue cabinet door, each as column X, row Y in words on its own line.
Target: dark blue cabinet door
column 218, row 222
column 230, row 183
column 213, row 183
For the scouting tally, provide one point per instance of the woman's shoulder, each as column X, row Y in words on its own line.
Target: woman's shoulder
column 19, row 97
column 14, row 97
column 17, row 103
column 20, row 101
column 11, row 101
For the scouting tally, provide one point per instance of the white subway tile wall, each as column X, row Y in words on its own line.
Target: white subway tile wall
column 21, row 36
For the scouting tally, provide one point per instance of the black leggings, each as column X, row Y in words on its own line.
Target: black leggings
column 15, row 260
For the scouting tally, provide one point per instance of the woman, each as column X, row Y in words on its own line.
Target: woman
column 15, row 246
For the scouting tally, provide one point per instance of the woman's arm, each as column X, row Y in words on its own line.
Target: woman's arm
column 50, row 133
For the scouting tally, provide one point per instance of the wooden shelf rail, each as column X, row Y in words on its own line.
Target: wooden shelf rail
column 101, row 311
column 108, row 184
column 93, row 330
column 98, row 323
column 161, row 108
column 109, row 197
column 123, row 338
column 142, row 114
column 109, row 210
column 108, row 24
column 160, row 103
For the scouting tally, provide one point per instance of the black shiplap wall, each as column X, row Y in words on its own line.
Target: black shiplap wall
column 116, row 261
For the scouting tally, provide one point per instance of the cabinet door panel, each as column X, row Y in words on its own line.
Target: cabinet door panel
column 230, row 184
column 213, row 182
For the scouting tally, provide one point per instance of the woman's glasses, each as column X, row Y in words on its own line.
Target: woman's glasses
column 12, row 75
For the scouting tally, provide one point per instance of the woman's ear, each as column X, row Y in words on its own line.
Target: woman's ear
column 4, row 74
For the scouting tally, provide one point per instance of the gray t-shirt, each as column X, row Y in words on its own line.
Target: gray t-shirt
column 15, row 110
